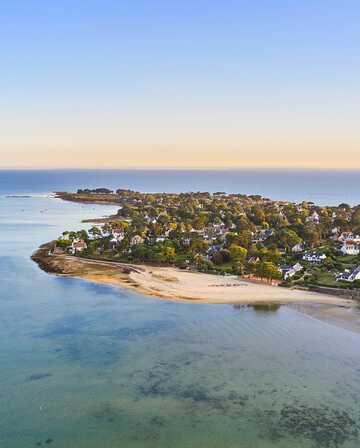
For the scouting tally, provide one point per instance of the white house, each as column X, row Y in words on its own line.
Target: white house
column 290, row 271
column 186, row 241
column 349, row 236
column 298, row 248
column 350, row 248
column 314, row 258
column 349, row 276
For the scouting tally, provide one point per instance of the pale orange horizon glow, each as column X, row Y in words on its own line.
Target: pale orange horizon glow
column 249, row 155
column 219, row 137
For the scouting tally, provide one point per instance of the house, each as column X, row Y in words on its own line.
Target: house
column 349, row 236
column 186, row 241
column 350, row 248
column 198, row 232
column 118, row 234
column 137, row 239
column 219, row 229
column 349, row 276
column 77, row 246
column 300, row 247
column 261, row 235
column 93, row 237
column 314, row 258
column 290, row 271
column 113, row 242
column 314, row 217
column 214, row 249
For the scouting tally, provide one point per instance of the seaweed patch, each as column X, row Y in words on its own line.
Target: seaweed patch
column 323, row 426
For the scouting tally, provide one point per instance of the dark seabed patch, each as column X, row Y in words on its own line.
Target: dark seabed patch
column 90, row 351
column 72, row 325
column 39, row 376
column 149, row 328
column 323, row 426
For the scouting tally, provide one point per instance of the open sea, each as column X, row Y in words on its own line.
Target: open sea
column 90, row 366
column 321, row 187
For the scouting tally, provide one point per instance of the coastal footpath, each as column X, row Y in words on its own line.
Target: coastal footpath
column 175, row 284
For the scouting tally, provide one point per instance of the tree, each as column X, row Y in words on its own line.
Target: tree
column 238, row 268
column 198, row 245
column 199, row 261
column 63, row 243
column 140, row 252
column 287, row 238
column 268, row 270
column 244, row 238
column 119, row 225
column 169, row 254
column 231, row 238
column 355, row 219
column 258, row 215
column 311, row 235
column 237, row 253
column 217, row 258
column 344, row 206
column 83, row 235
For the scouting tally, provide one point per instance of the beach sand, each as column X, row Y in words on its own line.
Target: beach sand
column 178, row 285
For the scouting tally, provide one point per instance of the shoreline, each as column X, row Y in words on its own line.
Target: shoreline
column 177, row 285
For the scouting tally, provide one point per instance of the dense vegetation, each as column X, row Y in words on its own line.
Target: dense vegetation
column 224, row 233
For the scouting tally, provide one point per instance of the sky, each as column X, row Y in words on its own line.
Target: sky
column 191, row 83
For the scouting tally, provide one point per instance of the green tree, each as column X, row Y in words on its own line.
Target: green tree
column 355, row 218
column 237, row 253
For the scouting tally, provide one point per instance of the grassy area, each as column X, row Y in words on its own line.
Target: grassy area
column 325, row 278
column 348, row 260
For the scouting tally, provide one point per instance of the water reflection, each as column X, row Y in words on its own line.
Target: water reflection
column 261, row 308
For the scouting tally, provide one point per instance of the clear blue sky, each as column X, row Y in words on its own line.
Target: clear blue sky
column 155, row 81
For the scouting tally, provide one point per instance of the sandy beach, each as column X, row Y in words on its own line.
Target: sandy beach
column 178, row 285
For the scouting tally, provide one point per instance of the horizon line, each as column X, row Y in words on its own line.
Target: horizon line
column 181, row 168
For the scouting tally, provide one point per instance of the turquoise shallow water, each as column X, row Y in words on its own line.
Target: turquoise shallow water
column 84, row 365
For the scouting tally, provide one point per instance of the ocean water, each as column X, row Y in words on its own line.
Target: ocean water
column 321, row 187
column 84, row 365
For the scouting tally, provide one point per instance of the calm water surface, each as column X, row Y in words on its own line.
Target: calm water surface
column 322, row 187
column 84, row 365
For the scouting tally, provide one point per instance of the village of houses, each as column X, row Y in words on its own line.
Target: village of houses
column 227, row 234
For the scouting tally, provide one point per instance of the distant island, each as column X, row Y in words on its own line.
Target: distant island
column 248, row 237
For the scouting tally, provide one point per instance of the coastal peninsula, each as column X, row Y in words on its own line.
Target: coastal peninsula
column 173, row 245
